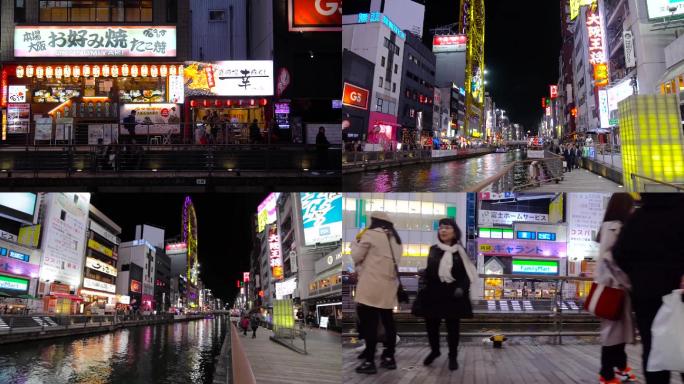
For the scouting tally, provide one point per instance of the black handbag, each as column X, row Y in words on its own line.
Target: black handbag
column 402, row 296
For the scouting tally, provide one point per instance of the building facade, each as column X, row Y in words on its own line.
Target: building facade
column 357, row 78
column 219, row 30
column 416, row 97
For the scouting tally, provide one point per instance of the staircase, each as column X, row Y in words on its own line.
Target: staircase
column 3, row 325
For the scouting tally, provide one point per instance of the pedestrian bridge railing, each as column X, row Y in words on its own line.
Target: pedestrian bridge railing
column 524, row 174
column 646, row 184
column 362, row 158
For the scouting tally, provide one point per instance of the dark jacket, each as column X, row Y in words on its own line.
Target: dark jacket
column 647, row 251
column 254, row 132
column 322, row 143
column 129, row 123
column 438, row 298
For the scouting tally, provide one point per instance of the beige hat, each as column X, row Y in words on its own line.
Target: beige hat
column 381, row 215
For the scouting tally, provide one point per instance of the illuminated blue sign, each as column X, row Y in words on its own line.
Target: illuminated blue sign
column 376, row 17
column 19, row 256
column 526, row 235
column 546, row 236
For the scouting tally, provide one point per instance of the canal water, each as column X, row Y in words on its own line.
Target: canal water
column 181, row 352
column 451, row 176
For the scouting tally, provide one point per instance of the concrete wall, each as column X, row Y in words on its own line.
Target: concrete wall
column 219, row 40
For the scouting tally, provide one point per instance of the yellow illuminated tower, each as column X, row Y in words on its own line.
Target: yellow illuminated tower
column 472, row 24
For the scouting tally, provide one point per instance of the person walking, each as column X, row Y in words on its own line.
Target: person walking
column 567, row 153
column 655, row 268
column 376, row 254
column 244, row 324
column 129, row 122
column 322, row 145
column 254, row 323
column 446, row 295
column 615, row 334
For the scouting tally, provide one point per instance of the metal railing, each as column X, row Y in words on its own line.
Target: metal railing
column 365, row 158
column 516, row 176
column 71, row 159
column 646, row 184
column 149, row 134
column 20, row 323
column 288, row 338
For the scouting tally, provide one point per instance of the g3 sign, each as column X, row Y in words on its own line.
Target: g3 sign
column 315, row 15
column 354, row 96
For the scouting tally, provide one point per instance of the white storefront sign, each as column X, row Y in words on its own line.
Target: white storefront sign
column 17, row 94
column 604, row 113
column 244, row 78
column 99, row 285
column 95, row 41
column 628, row 40
column 285, row 288
column 100, row 266
column 176, row 89
column 65, row 237
column 487, row 217
column 585, row 214
column 157, row 119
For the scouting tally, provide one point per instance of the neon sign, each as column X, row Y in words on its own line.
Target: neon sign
column 377, row 17
column 597, row 54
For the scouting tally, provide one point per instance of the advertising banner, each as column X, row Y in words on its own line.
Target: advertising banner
column 64, row 242
column 157, row 119
column 100, row 266
column 275, row 252
column 449, row 43
column 229, row 78
column 176, row 89
column 13, row 284
column 99, row 285
column 630, row 56
column 354, row 96
column 285, row 288
column 604, row 113
column 94, row 245
column 17, row 94
column 136, row 286
column 94, row 41
column 509, row 247
column 660, row 9
column 321, row 217
column 266, row 211
column 585, row 214
column 315, row 15
column 107, row 132
column 487, row 217
column 18, row 267
column 18, row 117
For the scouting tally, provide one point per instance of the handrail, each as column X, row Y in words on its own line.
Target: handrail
column 634, row 177
column 501, row 175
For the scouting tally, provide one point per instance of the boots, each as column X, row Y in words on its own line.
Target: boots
column 453, row 363
column 431, row 357
column 368, row 367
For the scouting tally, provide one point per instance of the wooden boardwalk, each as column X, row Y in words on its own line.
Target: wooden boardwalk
column 580, row 180
column 481, row 364
column 273, row 363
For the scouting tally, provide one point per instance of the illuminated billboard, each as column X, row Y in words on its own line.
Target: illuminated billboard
column 660, row 9
column 275, row 253
column 18, row 206
column 321, row 217
column 229, row 78
column 575, row 7
column 94, row 41
column 449, row 43
column 267, row 212
column 315, row 15
column 535, row 267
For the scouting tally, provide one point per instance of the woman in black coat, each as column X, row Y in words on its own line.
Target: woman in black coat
column 446, row 294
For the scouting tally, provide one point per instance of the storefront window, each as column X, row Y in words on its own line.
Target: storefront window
column 141, row 90
column 96, row 11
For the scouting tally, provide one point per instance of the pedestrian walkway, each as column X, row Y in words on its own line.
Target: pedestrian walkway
column 580, row 180
column 274, row 363
column 482, row 364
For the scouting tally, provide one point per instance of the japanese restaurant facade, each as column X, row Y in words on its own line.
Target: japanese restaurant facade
column 71, row 71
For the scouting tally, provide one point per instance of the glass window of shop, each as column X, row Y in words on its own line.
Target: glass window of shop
column 96, row 11
column 141, row 90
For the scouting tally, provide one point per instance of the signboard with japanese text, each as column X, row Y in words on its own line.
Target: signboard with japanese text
column 13, row 284
column 176, row 89
column 95, row 41
column 315, row 15
column 585, row 214
column 100, row 230
column 377, row 17
column 321, row 217
column 99, row 285
column 229, row 78
column 604, row 113
column 496, row 196
column 17, row 94
column 245, row 277
column 275, row 255
column 553, row 91
column 449, row 43
column 157, row 119
column 354, row 96
column 535, row 267
column 597, row 53
column 66, row 222
column 94, row 245
column 286, row 287
column 18, row 267
column 487, row 217
column 509, row 247
column 100, row 266
column 18, row 117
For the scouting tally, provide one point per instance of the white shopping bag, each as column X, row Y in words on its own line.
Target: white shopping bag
column 667, row 350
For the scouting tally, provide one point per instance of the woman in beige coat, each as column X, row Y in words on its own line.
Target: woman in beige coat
column 615, row 334
column 375, row 253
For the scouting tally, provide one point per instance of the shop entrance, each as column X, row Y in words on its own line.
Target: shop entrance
column 227, row 121
column 329, row 315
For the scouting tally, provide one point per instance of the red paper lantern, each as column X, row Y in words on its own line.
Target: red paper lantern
column 217, row 103
column 264, row 102
column 205, row 103
column 251, row 101
column 229, row 103
column 193, row 103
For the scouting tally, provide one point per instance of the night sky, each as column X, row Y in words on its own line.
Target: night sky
column 522, row 44
column 224, row 225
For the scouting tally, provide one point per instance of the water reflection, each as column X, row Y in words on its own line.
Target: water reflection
column 452, row 176
column 172, row 353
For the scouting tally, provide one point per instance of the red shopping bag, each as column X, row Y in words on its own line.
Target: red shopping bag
column 604, row 301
